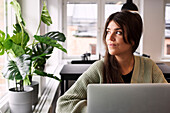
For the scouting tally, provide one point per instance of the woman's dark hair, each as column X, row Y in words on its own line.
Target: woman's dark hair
column 131, row 25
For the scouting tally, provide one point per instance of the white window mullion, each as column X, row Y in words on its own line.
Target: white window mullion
column 101, row 14
column 64, row 23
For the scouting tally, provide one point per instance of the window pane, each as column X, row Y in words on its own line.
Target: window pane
column 167, row 30
column 1, row 14
column 112, row 7
column 81, row 28
column 3, row 88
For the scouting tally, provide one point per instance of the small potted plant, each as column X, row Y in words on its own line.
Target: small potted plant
column 27, row 59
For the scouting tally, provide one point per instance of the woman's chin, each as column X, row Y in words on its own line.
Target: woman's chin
column 112, row 52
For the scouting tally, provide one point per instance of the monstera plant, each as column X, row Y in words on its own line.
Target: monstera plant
column 25, row 59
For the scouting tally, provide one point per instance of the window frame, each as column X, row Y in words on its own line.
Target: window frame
column 165, row 57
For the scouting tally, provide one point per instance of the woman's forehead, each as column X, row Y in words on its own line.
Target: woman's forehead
column 113, row 25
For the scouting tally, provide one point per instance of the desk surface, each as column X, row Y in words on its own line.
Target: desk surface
column 74, row 69
column 164, row 68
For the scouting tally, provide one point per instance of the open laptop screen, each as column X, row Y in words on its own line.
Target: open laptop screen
column 128, row 98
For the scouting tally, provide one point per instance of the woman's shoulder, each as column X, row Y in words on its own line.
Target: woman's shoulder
column 96, row 67
column 98, row 63
column 144, row 60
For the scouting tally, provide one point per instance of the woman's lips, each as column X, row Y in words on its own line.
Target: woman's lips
column 112, row 45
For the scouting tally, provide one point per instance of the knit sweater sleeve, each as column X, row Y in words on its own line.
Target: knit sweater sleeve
column 75, row 99
column 157, row 76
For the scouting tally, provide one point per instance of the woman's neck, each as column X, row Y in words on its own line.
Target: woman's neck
column 126, row 63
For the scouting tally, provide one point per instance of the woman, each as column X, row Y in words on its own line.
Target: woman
column 121, row 37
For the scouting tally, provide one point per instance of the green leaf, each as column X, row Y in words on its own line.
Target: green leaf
column 49, row 41
column 41, row 57
column 28, row 51
column 2, row 36
column 17, row 38
column 41, row 73
column 45, row 16
column 8, row 43
column 11, row 71
column 17, row 69
column 40, row 53
column 17, row 50
column 2, row 50
column 5, row 43
column 24, row 64
column 17, row 9
column 56, row 35
column 17, row 28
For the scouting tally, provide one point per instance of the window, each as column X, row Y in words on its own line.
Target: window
column 3, row 81
column 111, row 7
column 167, row 30
column 84, row 23
column 81, row 28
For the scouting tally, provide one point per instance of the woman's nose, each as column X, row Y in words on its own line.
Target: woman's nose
column 112, row 36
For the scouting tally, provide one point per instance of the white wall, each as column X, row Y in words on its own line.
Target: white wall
column 31, row 13
column 167, row 1
column 154, row 25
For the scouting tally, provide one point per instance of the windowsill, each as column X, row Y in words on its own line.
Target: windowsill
column 165, row 60
column 46, row 101
column 4, row 104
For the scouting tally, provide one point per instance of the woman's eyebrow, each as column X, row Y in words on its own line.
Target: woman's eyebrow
column 118, row 28
column 114, row 29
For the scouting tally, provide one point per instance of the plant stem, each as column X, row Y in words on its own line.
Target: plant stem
column 21, row 85
column 37, row 31
column 22, row 30
column 16, row 85
column 38, row 26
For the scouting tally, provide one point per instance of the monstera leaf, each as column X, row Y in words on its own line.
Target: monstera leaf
column 17, row 69
column 17, row 50
column 18, row 38
column 45, row 16
column 17, row 9
column 56, row 35
column 40, row 53
column 51, row 40
column 17, row 28
column 41, row 73
column 5, row 43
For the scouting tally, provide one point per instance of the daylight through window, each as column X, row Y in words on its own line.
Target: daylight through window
column 3, row 82
column 167, row 30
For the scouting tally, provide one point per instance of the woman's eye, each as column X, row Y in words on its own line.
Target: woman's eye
column 108, row 32
column 118, row 32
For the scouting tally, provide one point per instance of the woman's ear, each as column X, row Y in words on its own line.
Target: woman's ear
column 133, row 43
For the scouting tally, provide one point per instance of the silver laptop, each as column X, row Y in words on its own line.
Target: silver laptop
column 128, row 98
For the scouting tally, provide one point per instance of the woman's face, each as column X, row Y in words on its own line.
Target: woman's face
column 114, row 40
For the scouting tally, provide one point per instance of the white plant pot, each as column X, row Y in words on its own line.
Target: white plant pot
column 20, row 102
column 35, row 86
